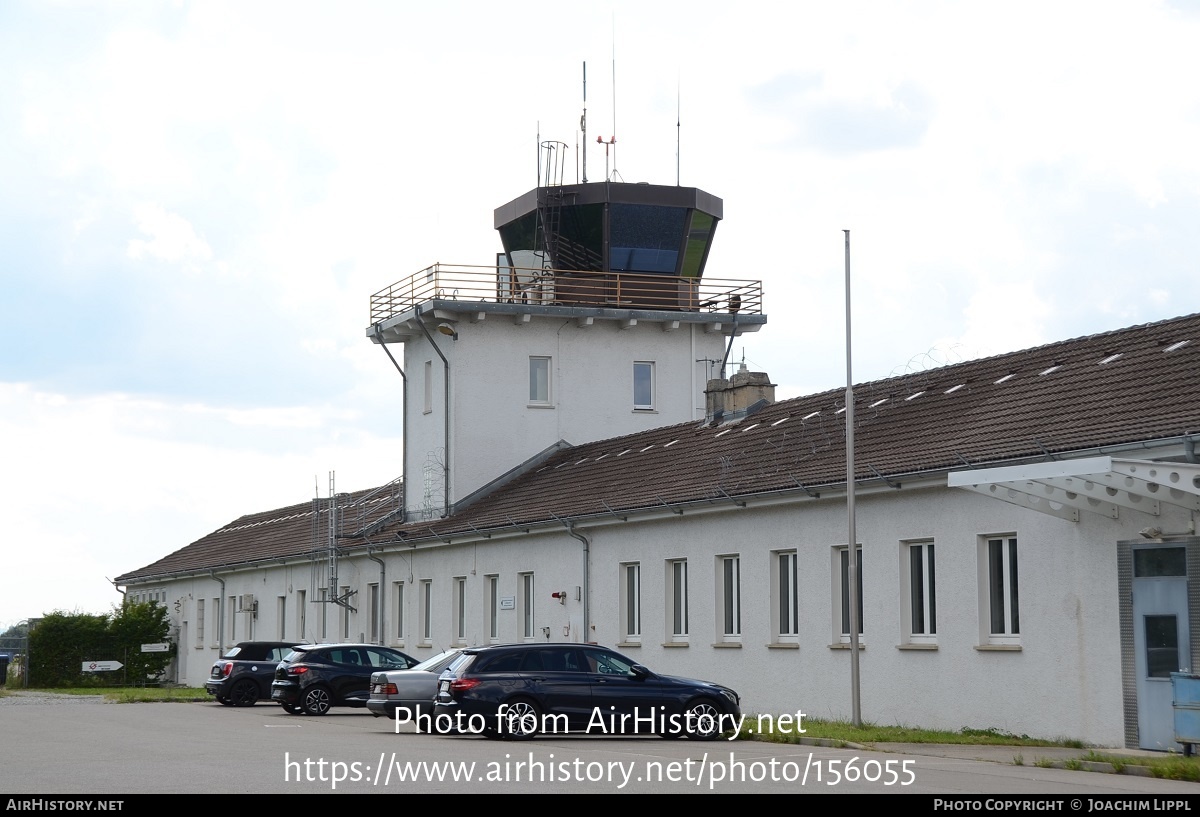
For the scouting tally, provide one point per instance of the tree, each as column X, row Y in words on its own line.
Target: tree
column 60, row 643
column 134, row 624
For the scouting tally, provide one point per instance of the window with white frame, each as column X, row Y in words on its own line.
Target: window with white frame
column 677, row 600
column 232, row 620
column 630, row 578
column 398, row 611
column 459, row 612
column 999, row 614
column 216, row 622
column 281, row 615
column 324, row 613
column 918, row 592
column 729, row 597
column 373, row 600
column 302, row 614
column 199, row 622
column 425, row 612
column 841, row 592
column 785, row 597
column 539, row 381
column 525, row 599
column 493, row 607
column 643, row 385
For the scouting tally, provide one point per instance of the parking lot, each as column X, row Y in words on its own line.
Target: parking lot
column 84, row 746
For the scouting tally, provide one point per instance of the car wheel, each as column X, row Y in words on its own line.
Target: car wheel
column 244, row 693
column 317, row 701
column 224, row 701
column 702, row 721
column 292, row 709
column 521, row 720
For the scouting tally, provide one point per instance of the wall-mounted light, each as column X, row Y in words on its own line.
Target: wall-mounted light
column 448, row 330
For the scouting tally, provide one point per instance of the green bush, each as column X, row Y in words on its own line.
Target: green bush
column 61, row 642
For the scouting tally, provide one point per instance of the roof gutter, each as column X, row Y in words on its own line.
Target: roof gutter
column 220, row 614
column 403, row 420
column 445, row 414
column 587, row 552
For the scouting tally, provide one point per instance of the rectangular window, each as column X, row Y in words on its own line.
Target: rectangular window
column 677, row 600
column 199, row 622
column 216, row 622
column 493, row 607
column 918, row 592
column 729, row 597
column 428, row 386
column 785, row 596
column 373, row 597
column 398, row 610
column 539, row 381
column 841, row 592
column 232, row 614
column 526, row 599
column 459, row 613
column 281, row 616
column 426, row 611
column 302, row 614
column 643, row 385
column 631, row 602
column 999, row 602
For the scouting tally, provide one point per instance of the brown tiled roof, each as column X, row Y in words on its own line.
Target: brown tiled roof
column 279, row 533
column 1124, row 387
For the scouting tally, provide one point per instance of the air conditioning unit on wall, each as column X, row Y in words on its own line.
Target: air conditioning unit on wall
column 247, row 604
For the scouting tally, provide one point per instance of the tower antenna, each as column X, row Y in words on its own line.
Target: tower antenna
column 677, row 130
column 583, row 122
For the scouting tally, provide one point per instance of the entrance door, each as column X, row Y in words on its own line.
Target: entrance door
column 1160, row 639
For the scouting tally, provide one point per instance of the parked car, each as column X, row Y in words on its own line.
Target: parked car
column 244, row 673
column 521, row 690
column 313, row 678
column 409, row 689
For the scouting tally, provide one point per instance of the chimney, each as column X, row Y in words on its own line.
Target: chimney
column 737, row 397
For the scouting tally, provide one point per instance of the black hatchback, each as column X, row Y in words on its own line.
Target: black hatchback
column 521, row 690
column 313, row 678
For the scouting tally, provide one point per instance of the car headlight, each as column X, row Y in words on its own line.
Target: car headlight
column 731, row 695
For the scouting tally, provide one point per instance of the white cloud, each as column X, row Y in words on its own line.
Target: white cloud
column 172, row 237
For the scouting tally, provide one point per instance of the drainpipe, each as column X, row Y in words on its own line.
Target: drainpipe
column 403, row 418
column 220, row 615
column 445, row 413
column 381, row 600
column 587, row 549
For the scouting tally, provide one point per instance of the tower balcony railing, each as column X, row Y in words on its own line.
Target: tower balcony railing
column 551, row 287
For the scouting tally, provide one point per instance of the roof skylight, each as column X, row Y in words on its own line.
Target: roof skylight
column 1053, row 368
column 914, row 396
column 953, row 389
column 878, row 403
column 1175, row 346
column 1110, row 358
column 1008, row 376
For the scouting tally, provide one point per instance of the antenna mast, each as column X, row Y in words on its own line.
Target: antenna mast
column 677, row 131
column 583, row 121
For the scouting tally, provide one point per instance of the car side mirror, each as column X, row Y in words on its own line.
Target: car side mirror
column 640, row 672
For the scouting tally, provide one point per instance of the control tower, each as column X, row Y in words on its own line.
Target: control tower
column 596, row 320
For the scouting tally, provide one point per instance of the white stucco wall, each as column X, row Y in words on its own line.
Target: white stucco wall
column 494, row 427
column 1064, row 681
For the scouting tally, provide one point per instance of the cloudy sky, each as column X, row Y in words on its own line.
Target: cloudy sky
column 197, row 199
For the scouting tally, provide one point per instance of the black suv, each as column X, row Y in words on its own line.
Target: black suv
column 244, row 673
column 313, row 678
column 521, row 690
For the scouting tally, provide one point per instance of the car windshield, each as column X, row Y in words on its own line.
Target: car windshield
column 294, row 655
column 438, row 662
